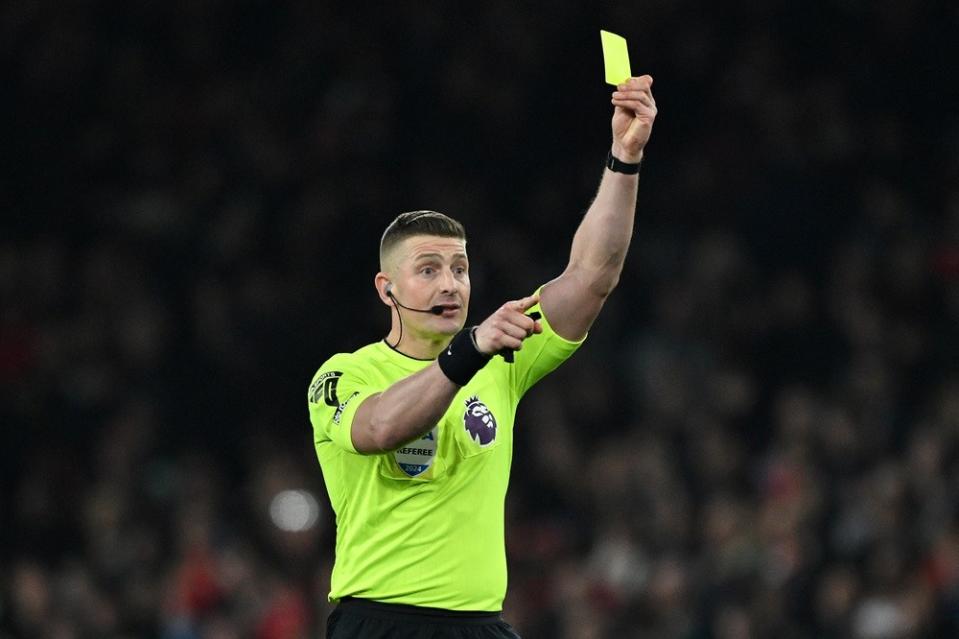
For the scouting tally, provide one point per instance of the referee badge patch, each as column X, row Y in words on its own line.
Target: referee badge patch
column 479, row 422
column 417, row 456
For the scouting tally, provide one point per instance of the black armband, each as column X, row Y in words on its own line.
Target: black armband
column 461, row 359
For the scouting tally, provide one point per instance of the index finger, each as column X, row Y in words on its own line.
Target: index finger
column 524, row 304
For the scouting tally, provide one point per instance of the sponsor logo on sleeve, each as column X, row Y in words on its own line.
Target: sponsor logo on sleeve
column 324, row 388
column 339, row 409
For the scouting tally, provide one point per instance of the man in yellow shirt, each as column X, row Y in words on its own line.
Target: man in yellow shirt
column 414, row 433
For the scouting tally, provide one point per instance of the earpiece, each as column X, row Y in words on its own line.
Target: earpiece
column 389, row 289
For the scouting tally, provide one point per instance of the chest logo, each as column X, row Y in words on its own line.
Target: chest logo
column 479, row 422
column 417, row 456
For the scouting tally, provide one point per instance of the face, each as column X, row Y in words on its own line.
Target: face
column 429, row 271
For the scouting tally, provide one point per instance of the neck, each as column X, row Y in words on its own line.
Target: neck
column 416, row 345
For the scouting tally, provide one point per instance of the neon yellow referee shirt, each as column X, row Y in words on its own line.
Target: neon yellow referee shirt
column 423, row 525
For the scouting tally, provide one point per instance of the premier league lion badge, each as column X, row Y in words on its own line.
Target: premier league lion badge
column 479, row 422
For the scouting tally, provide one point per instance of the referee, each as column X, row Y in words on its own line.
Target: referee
column 414, row 433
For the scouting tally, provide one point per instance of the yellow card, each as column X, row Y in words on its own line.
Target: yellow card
column 615, row 57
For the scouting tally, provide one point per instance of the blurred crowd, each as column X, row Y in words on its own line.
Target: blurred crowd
column 760, row 437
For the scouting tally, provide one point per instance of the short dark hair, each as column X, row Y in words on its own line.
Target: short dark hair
column 413, row 223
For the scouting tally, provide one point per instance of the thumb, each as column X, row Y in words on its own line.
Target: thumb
column 638, row 129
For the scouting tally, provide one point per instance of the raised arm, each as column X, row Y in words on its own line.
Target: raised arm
column 573, row 300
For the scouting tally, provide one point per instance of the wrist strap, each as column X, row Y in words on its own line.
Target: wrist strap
column 615, row 164
column 461, row 359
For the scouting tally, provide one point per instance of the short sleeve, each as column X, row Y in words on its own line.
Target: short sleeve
column 337, row 390
column 541, row 353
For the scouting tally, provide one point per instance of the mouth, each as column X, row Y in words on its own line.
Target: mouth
column 450, row 309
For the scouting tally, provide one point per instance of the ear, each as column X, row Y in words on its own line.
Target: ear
column 383, row 287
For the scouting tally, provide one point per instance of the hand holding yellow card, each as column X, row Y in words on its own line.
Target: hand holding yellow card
column 615, row 57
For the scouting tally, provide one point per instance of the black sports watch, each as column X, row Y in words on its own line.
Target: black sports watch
column 615, row 164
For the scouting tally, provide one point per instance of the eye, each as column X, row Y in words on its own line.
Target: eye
column 427, row 270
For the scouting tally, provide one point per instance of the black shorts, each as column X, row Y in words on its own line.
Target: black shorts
column 364, row 619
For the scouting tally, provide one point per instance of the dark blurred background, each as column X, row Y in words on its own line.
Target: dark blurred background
column 759, row 439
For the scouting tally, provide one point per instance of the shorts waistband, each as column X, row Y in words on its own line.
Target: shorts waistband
column 406, row 612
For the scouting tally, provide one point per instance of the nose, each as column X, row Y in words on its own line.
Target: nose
column 449, row 284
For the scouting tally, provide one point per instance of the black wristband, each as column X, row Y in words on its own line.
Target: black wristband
column 615, row 164
column 461, row 359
